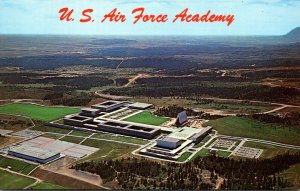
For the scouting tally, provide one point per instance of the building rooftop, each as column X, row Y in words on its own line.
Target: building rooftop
column 33, row 152
column 140, row 105
column 170, row 139
column 89, row 109
column 203, row 131
column 184, row 133
column 107, row 104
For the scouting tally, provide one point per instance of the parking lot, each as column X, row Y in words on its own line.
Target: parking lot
column 247, row 152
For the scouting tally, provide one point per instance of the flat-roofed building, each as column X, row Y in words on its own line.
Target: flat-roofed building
column 127, row 128
column 77, row 120
column 203, row 133
column 141, row 106
column 89, row 112
column 108, row 106
column 168, row 142
column 33, row 154
column 165, row 153
column 184, row 133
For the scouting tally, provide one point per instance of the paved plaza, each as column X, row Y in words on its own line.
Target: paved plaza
column 65, row 148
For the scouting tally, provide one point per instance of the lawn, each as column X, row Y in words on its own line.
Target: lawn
column 9, row 180
column 201, row 153
column 48, row 186
column 243, row 127
column 269, row 151
column 52, row 136
column 16, row 165
column 37, row 112
column 80, row 133
column 202, row 142
column 44, row 128
column 121, row 138
column 223, row 153
column 107, row 150
column 146, row 117
column 72, row 139
column 184, row 157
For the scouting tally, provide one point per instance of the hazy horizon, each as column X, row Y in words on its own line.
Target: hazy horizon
column 252, row 17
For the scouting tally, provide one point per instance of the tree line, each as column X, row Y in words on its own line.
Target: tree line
column 173, row 110
column 132, row 173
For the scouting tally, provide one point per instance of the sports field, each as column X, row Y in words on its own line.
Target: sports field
column 37, row 112
column 243, row 127
column 9, row 180
column 146, row 117
column 16, row 165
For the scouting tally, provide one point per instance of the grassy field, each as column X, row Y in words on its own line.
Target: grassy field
column 16, row 165
column 107, row 150
column 44, row 128
column 292, row 175
column 42, row 113
column 72, row 139
column 121, row 138
column 146, row 117
column 243, row 127
column 13, row 181
column 223, row 153
column 269, row 150
column 201, row 153
column 52, row 136
column 202, row 142
column 226, row 106
column 184, row 156
column 80, row 133
column 48, row 186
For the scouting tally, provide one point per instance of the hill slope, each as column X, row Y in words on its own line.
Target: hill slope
column 294, row 34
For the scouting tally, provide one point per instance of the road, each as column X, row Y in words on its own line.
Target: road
column 132, row 80
column 21, row 100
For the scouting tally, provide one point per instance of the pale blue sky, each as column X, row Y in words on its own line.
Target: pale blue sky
column 252, row 17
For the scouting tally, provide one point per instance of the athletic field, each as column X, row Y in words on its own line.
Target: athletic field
column 37, row 112
column 146, row 117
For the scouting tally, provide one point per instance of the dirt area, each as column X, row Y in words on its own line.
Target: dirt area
column 274, row 82
column 132, row 80
column 61, row 167
column 197, row 123
column 7, row 140
column 169, row 123
column 95, row 101
column 14, row 123
column 215, row 112
column 63, row 179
